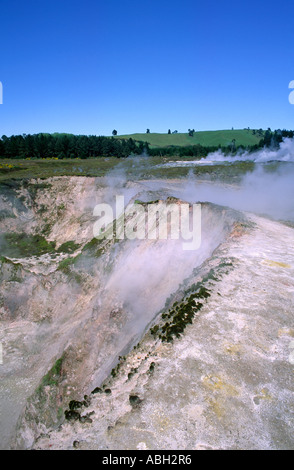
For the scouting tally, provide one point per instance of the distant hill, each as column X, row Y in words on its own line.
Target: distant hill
column 206, row 138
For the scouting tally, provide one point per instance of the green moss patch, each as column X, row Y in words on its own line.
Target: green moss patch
column 17, row 245
column 174, row 321
column 68, row 247
column 52, row 378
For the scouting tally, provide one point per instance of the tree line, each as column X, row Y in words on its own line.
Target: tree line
column 81, row 146
column 68, row 146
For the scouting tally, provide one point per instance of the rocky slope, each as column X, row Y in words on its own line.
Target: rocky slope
column 226, row 382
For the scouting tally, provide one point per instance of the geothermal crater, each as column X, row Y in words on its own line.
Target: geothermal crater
column 137, row 343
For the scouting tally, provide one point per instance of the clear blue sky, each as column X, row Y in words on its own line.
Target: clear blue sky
column 89, row 67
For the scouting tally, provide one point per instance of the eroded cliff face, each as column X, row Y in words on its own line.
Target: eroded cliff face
column 70, row 305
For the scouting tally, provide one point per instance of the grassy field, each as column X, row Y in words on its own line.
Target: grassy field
column 140, row 168
column 45, row 168
column 205, row 138
column 92, row 167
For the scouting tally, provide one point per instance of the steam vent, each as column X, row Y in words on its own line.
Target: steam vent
column 122, row 343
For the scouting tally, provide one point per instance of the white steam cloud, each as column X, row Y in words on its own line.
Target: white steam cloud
column 265, row 193
column 285, row 153
column 267, row 190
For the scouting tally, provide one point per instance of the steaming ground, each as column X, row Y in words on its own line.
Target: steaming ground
column 285, row 153
column 65, row 324
column 262, row 191
column 267, row 190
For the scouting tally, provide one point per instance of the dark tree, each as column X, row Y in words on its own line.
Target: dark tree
column 2, row 149
column 114, row 132
column 267, row 138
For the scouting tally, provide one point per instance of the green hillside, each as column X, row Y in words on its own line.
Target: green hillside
column 206, row 138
